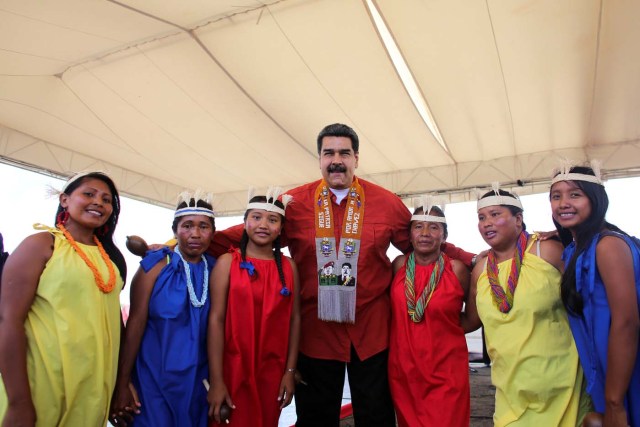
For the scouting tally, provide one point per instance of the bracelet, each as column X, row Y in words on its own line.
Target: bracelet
column 291, row 370
column 473, row 261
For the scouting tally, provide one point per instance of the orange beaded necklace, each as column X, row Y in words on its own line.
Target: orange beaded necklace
column 105, row 288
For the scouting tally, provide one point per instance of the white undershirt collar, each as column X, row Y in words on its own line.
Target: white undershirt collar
column 340, row 194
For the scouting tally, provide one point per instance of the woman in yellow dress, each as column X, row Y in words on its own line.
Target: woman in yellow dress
column 535, row 366
column 60, row 313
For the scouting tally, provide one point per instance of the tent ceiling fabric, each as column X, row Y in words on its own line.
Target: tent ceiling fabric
column 226, row 95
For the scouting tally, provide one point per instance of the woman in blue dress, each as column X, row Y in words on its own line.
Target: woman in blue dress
column 164, row 354
column 600, row 291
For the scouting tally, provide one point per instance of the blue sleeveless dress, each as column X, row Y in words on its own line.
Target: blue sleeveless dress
column 172, row 360
column 591, row 330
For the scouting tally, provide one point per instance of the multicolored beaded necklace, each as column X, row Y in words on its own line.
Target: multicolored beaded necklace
column 205, row 281
column 416, row 308
column 504, row 301
column 105, row 288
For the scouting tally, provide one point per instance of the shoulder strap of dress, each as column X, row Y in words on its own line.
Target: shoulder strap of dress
column 151, row 258
column 610, row 233
column 53, row 230
column 631, row 241
column 534, row 238
column 42, row 227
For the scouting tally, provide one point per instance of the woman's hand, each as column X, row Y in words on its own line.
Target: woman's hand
column 218, row 396
column 136, row 399
column 546, row 235
column 592, row 419
column 287, row 388
column 21, row 414
column 125, row 405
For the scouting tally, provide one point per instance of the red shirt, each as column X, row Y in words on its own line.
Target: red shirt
column 386, row 221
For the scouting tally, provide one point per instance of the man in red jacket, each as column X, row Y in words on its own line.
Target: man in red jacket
column 337, row 220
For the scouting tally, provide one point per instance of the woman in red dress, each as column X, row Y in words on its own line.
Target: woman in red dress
column 254, row 324
column 428, row 358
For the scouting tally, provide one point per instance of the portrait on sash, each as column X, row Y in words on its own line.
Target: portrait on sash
column 346, row 279
column 327, row 275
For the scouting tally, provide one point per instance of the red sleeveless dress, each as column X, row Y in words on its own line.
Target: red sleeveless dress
column 256, row 340
column 428, row 361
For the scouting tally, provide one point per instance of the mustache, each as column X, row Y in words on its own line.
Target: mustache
column 336, row 168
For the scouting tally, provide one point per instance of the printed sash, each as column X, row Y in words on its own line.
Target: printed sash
column 338, row 268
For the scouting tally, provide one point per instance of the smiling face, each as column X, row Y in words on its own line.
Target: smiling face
column 263, row 227
column 194, row 234
column 570, row 206
column 499, row 227
column 89, row 205
column 338, row 161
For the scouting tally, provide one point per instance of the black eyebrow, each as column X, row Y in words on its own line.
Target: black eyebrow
column 341, row 150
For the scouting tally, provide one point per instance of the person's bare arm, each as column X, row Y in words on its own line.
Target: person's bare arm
column 397, row 263
column 463, row 275
column 469, row 319
column 551, row 251
column 615, row 266
column 141, row 288
column 19, row 284
column 287, row 384
column 219, row 291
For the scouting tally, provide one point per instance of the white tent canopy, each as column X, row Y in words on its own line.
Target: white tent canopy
column 224, row 95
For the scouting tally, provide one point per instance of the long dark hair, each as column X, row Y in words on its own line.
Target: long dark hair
column 277, row 254
column 585, row 233
column 105, row 232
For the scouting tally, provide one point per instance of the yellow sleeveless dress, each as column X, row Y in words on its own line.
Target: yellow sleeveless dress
column 73, row 337
column 535, row 366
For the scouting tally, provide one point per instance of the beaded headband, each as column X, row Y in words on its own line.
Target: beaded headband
column 426, row 202
column 499, row 199
column 564, row 173
column 186, row 196
column 272, row 195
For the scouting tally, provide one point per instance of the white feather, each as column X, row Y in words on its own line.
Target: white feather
column 479, row 193
column 596, row 165
column 251, row 192
column 186, row 196
column 183, row 196
column 286, row 198
column 273, row 193
column 50, row 191
column 495, row 186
